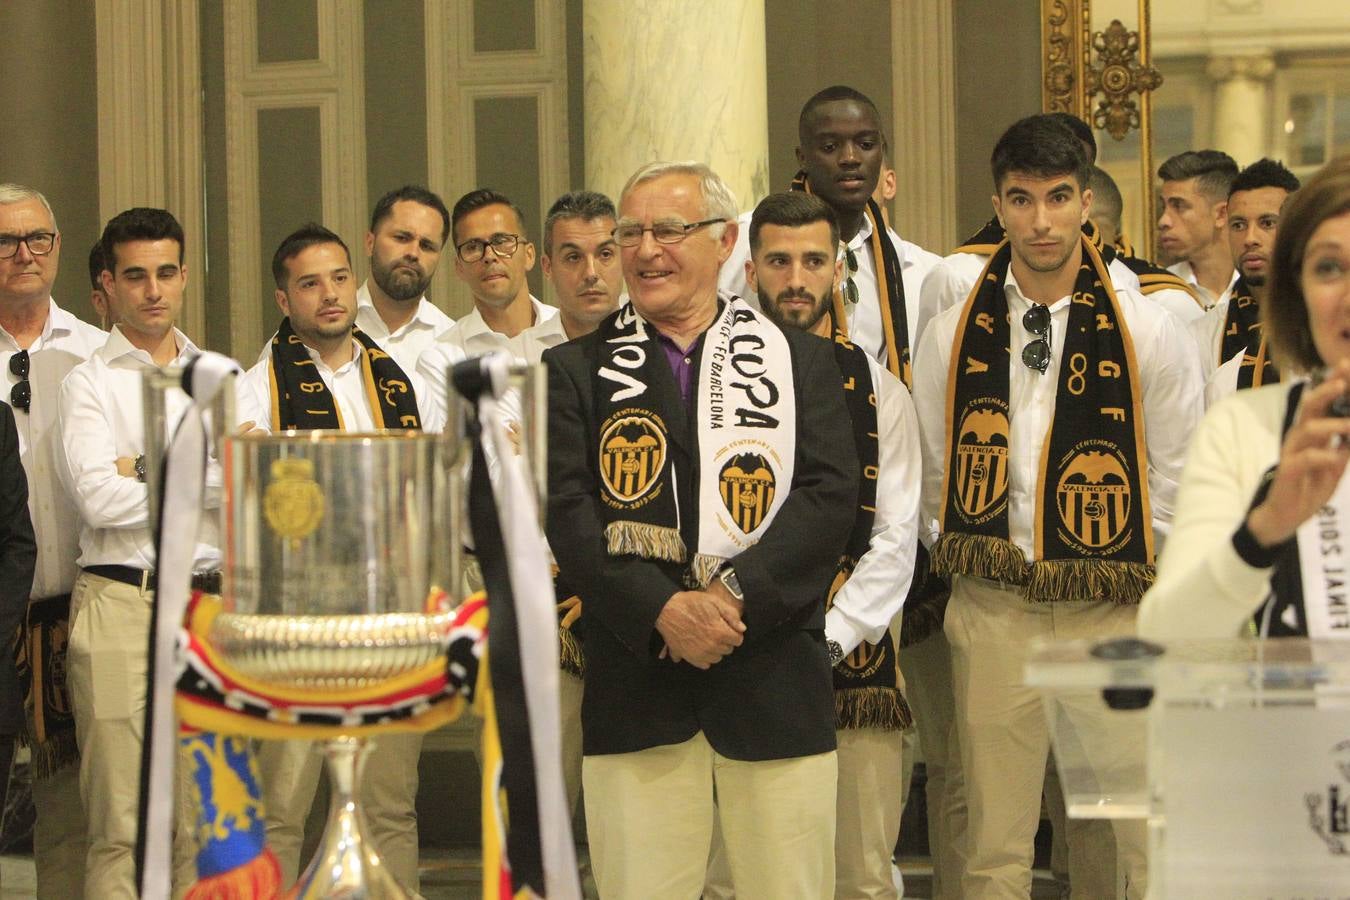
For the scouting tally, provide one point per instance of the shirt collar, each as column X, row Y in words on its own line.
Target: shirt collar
column 318, row 360
column 117, row 346
column 1020, row 300
column 473, row 324
column 365, row 309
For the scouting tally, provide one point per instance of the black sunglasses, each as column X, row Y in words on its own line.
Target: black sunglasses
column 21, row 396
column 1036, row 354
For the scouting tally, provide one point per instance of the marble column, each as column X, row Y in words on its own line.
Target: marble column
column 676, row 81
column 1241, row 100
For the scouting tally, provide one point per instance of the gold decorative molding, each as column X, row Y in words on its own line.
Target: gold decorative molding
column 1119, row 74
column 1064, row 47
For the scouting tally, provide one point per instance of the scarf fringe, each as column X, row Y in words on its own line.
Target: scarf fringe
column 571, row 658
column 645, row 540
column 258, row 879
column 872, row 707
column 1123, row 583
column 58, row 752
column 923, row 619
column 982, row 555
column 703, row 570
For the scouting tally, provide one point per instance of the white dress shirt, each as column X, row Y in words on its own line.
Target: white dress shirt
column 874, row 594
column 1172, row 403
column 864, row 317
column 953, row 277
column 346, row 384
column 412, row 338
column 474, row 338
column 1224, row 381
column 1184, row 271
column 1207, row 332
column 65, row 342
column 101, row 421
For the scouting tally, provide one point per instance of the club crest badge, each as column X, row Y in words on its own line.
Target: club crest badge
column 293, row 503
column 632, row 454
column 1093, row 496
column 981, row 482
column 747, row 485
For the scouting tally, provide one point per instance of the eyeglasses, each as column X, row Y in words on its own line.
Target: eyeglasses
column 1036, row 355
column 630, row 235
column 503, row 246
column 850, row 286
column 21, row 396
column 39, row 243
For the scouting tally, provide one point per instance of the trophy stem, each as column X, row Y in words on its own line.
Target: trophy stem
column 347, row 864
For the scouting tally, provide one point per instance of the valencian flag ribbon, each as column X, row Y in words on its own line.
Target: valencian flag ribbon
column 527, row 831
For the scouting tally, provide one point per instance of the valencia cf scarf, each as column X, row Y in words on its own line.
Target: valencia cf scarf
column 1093, row 524
column 866, row 682
column 301, row 400
column 890, row 291
column 40, row 661
column 1243, row 333
column 746, row 426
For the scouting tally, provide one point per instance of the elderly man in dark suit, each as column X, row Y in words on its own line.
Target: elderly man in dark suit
column 702, row 483
column 18, row 555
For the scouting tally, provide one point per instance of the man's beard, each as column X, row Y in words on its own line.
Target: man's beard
column 1256, row 281
column 398, row 287
column 804, row 320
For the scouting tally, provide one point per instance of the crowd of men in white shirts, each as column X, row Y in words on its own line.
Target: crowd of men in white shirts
column 75, row 393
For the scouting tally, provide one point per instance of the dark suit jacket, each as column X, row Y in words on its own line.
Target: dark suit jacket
column 18, row 555
column 771, row 698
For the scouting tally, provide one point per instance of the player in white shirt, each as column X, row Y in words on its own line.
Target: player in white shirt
column 102, row 447
column 1191, row 227
column 1040, row 178
column 408, row 231
column 44, row 342
column 316, row 292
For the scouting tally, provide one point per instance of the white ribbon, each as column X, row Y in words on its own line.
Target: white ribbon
column 183, row 486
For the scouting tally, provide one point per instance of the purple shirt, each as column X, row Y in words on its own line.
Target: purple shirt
column 681, row 362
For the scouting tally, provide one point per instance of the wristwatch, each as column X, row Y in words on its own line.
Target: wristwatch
column 836, row 652
column 139, row 466
column 727, row 575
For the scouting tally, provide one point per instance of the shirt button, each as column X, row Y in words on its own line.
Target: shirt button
column 687, row 361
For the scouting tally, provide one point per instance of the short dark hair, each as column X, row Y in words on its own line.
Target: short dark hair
column 1041, row 146
column 96, row 266
column 1264, row 173
column 477, row 199
column 140, row 223
column 1213, row 170
column 832, row 94
column 1284, row 309
column 584, row 205
column 1081, row 130
column 791, row 209
column 1106, row 197
column 384, row 208
column 310, row 234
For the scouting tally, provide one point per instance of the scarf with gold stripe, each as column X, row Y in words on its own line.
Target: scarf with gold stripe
column 867, row 682
column 890, row 291
column 1093, row 524
column 1243, row 333
column 301, row 400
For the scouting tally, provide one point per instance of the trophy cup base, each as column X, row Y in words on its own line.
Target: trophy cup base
column 347, row 865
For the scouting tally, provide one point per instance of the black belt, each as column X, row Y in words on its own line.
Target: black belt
column 206, row 582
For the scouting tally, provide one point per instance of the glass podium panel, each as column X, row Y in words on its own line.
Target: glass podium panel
column 1236, row 753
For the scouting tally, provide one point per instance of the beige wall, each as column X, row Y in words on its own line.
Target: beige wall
column 49, row 126
column 998, row 80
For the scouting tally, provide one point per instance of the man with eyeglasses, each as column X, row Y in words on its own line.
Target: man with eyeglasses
column 493, row 255
column 1055, row 412
column 39, row 343
column 408, row 230
column 702, row 482
column 841, row 152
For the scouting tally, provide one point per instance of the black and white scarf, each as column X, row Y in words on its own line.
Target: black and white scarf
column 745, row 422
column 1094, row 535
